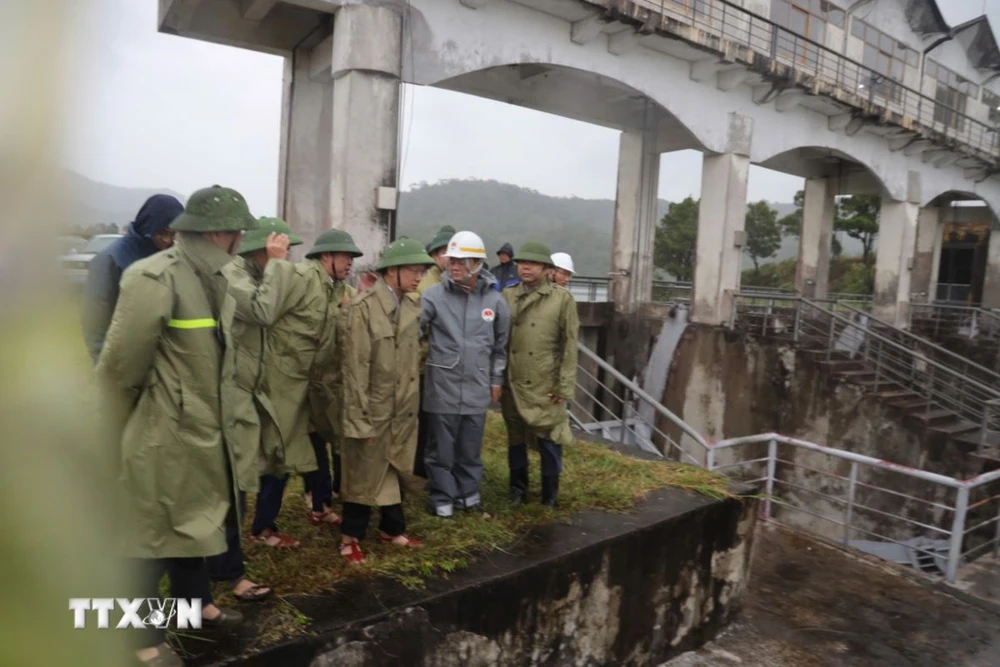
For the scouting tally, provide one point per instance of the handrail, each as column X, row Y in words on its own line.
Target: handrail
column 638, row 391
column 919, row 340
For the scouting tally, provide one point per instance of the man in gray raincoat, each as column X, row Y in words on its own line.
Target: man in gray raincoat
column 466, row 321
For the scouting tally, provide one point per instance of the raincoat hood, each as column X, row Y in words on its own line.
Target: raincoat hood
column 484, row 281
column 154, row 216
column 507, row 248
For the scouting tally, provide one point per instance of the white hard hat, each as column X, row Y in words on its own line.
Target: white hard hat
column 562, row 260
column 466, row 245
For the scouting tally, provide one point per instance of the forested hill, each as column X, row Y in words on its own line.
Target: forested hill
column 502, row 212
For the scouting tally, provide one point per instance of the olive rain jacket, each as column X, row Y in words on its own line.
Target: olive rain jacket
column 542, row 362
column 167, row 380
column 259, row 296
column 467, row 335
column 381, row 396
column 326, row 393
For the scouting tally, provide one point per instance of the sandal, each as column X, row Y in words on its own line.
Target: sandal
column 478, row 509
column 254, row 593
column 327, row 516
column 275, row 539
column 165, row 657
column 227, row 619
column 408, row 544
column 354, row 555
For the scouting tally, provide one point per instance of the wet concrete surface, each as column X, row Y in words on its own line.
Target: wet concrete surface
column 811, row 604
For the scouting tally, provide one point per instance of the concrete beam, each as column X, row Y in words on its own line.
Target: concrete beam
column 933, row 154
column 854, row 126
column 726, row 81
column 812, row 272
column 586, row 30
column 321, row 61
column 894, row 261
column 839, row 122
column 900, row 142
column 256, row 10
column 947, row 160
column 474, row 4
column 703, row 70
column 789, row 99
column 763, row 94
column 623, row 42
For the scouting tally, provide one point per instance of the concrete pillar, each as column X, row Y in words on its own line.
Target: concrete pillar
column 721, row 222
column 894, row 261
column 927, row 255
column 635, row 218
column 812, row 273
column 340, row 144
column 991, row 283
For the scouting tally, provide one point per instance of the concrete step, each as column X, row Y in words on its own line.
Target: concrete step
column 894, row 394
column 840, row 365
column 934, row 416
column 956, row 428
column 878, row 386
column 971, row 440
column 909, row 403
column 855, row 375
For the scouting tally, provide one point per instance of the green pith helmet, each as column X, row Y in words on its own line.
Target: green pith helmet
column 257, row 239
column 404, row 252
column 533, row 251
column 441, row 239
column 334, row 240
column 215, row 209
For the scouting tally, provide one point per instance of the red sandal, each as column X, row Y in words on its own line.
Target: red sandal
column 409, row 544
column 354, row 555
column 328, row 517
column 268, row 536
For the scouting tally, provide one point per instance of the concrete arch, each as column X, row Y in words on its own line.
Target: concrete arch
column 853, row 174
column 934, row 194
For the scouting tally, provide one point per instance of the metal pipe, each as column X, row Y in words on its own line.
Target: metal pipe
column 957, row 533
column 849, row 511
column 772, row 455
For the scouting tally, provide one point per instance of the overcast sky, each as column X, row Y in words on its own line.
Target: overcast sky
column 154, row 110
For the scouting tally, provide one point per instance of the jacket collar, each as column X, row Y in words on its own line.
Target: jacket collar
column 251, row 267
column 385, row 296
column 484, row 282
column 545, row 287
column 206, row 257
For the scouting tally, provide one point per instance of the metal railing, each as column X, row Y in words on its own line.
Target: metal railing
column 941, row 321
column 833, row 493
column 820, row 70
column 590, row 288
column 941, row 387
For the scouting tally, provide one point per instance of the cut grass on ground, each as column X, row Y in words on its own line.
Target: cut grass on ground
column 595, row 478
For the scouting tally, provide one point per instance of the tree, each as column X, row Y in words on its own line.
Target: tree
column 857, row 216
column 791, row 224
column 676, row 237
column 763, row 233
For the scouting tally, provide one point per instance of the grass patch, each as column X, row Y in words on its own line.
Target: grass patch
column 595, row 478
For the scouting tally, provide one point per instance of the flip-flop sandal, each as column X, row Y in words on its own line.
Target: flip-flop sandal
column 254, row 594
column 284, row 541
column 409, row 544
column 354, row 555
column 328, row 517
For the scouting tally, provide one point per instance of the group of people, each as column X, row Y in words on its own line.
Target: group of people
column 224, row 367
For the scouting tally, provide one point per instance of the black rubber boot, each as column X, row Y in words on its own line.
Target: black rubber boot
column 518, row 487
column 550, row 490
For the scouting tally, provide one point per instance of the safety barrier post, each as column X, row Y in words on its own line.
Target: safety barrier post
column 772, row 456
column 957, row 534
column 849, row 510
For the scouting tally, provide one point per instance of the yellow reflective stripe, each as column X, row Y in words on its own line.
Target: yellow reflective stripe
column 482, row 250
column 203, row 323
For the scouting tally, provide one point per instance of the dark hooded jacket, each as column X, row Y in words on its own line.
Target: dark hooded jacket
column 506, row 274
column 100, row 294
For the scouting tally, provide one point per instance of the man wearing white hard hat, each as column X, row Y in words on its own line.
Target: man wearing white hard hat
column 466, row 322
column 562, row 269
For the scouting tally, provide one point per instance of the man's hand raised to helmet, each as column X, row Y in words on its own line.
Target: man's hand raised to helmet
column 277, row 246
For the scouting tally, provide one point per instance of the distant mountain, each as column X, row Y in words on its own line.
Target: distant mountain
column 91, row 203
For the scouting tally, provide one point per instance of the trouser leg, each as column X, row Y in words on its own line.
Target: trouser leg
column 319, row 480
column 517, row 461
column 439, row 462
column 336, row 473
column 468, row 471
column 272, row 489
column 552, row 466
column 189, row 579
column 229, row 566
column 355, row 520
column 391, row 520
column 148, row 573
column 419, row 468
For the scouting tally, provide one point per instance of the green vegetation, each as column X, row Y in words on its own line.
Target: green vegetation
column 763, row 233
column 848, row 275
column 676, row 235
column 596, row 478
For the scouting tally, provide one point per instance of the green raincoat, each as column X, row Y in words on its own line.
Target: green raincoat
column 259, row 295
column 326, row 392
column 301, row 332
column 544, row 327
column 381, row 397
column 166, row 376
